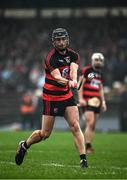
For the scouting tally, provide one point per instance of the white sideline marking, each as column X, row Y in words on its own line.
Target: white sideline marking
column 7, row 162
column 119, row 168
column 77, row 166
column 68, row 166
column 59, row 165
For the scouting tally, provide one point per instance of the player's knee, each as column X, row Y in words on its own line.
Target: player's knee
column 44, row 135
column 36, row 136
column 37, row 133
column 92, row 127
column 88, row 119
column 75, row 127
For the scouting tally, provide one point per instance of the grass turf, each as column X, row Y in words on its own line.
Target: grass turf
column 57, row 158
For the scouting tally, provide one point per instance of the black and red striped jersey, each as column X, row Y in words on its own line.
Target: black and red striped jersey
column 52, row 90
column 91, row 87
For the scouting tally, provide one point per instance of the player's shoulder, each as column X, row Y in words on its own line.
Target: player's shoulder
column 74, row 55
column 86, row 68
column 50, row 54
column 72, row 51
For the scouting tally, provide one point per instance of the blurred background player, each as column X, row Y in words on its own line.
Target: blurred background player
column 61, row 67
column 91, row 96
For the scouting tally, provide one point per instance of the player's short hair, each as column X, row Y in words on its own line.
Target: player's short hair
column 97, row 56
column 59, row 33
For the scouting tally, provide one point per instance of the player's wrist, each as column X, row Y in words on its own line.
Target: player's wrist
column 75, row 81
column 72, row 83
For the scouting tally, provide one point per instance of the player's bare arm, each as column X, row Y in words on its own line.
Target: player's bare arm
column 104, row 107
column 73, row 71
column 56, row 74
column 81, row 81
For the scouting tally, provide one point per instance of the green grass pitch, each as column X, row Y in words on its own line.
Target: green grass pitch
column 57, row 158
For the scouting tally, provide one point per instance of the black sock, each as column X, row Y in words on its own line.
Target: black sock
column 25, row 145
column 82, row 156
column 88, row 145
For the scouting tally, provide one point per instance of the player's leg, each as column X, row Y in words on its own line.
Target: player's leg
column 90, row 120
column 72, row 117
column 44, row 133
column 35, row 137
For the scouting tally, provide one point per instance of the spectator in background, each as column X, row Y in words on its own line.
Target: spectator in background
column 27, row 111
column 34, row 75
column 39, row 107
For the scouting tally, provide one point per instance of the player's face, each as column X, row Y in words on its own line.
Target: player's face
column 97, row 63
column 61, row 43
